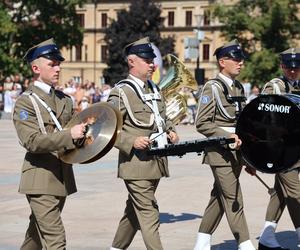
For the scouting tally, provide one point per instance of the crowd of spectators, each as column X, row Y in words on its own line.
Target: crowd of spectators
column 82, row 94
column 85, row 94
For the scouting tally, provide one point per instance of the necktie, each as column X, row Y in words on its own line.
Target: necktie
column 146, row 86
column 51, row 92
column 233, row 87
column 52, row 96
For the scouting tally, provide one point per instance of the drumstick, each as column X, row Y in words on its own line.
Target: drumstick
column 270, row 190
column 159, row 135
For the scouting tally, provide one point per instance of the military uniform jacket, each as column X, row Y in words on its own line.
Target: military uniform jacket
column 210, row 122
column 279, row 84
column 43, row 172
column 135, row 164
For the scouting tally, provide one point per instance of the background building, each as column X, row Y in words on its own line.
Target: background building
column 182, row 19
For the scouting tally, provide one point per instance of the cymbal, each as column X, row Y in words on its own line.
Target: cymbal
column 113, row 139
column 103, row 126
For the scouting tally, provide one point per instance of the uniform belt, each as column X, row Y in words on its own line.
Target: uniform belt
column 229, row 129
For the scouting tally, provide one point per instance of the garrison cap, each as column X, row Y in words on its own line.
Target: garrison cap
column 47, row 49
column 291, row 58
column 232, row 50
column 142, row 48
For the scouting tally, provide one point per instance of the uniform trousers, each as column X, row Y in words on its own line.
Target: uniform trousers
column 45, row 230
column 226, row 196
column 142, row 213
column 287, row 187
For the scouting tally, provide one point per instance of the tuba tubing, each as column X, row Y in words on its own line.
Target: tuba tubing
column 177, row 78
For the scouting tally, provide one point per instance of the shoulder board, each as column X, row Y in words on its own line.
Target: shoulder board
column 278, row 81
column 61, row 94
column 216, row 82
column 26, row 93
column 131, row 84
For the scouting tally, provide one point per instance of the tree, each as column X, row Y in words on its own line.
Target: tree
column 28, row 22
column 6, row 28
column 264, row 28
column 142, row 19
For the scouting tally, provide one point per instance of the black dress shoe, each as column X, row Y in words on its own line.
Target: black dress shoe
column 263, row 247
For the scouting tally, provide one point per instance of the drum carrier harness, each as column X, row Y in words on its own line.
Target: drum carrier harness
column 237, row 100
column 150, row 99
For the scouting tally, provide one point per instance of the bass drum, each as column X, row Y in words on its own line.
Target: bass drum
column 269, row 127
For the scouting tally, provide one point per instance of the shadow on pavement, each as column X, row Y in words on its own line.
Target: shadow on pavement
column 287, row 239
column 170, row 218
column 227, row 244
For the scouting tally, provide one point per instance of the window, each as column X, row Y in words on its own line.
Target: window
column 206, row 20
column 86, row 53
column 77, row 79
column 78, row 53
column 104, row 20
column 205, row 52
column 104, row 53
column 171, row 18
column 81, row 20
column 188, row 18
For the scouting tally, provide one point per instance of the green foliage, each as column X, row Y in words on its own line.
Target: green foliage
column 6, row 28
column 142, row 19
column 264, row 28
column 28, row 22
column 261, row 67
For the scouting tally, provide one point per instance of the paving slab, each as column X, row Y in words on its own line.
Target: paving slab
column 92, row 214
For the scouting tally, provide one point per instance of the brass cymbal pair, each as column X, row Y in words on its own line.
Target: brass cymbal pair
column 104, row 123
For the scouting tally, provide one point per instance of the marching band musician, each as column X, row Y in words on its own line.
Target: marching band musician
column 287, row 185
column 143, row 112
column 39, row 115
column 221, row 101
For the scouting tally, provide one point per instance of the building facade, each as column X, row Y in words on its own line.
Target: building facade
column 182, row 20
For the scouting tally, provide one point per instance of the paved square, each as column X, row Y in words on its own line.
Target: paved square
column 92, row 214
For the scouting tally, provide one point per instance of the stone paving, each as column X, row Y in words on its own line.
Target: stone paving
column 92, row 214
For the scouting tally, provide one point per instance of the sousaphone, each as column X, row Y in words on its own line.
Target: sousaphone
column 176, row 78
column 104, row 123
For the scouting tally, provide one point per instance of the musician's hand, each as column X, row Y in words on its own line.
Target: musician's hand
column 250, row 170
column 78, row 131
column 141, row 142
column 237, row 144
column 173, row 137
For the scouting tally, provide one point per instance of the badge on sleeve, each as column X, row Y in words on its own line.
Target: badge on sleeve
column 23, row 114
column 205, row 99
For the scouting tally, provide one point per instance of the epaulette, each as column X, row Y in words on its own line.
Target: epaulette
column 61, row 94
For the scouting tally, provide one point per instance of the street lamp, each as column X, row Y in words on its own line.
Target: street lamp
column 199, row 73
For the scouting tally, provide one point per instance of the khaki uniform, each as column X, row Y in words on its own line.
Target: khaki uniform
column 226, row 195
column 141, row 173
column 45, row 179
column 287, row 185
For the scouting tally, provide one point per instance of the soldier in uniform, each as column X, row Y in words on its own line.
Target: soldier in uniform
column 144, row 115
column 221, row 101
column 39, row 115
column 287, row 185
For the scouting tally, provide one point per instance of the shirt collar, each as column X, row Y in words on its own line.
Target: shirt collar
column 43, row 86
column 294, row 83
column 138, row 81
column 228, row 80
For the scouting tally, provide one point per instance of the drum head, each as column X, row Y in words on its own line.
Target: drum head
column 269, row 128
